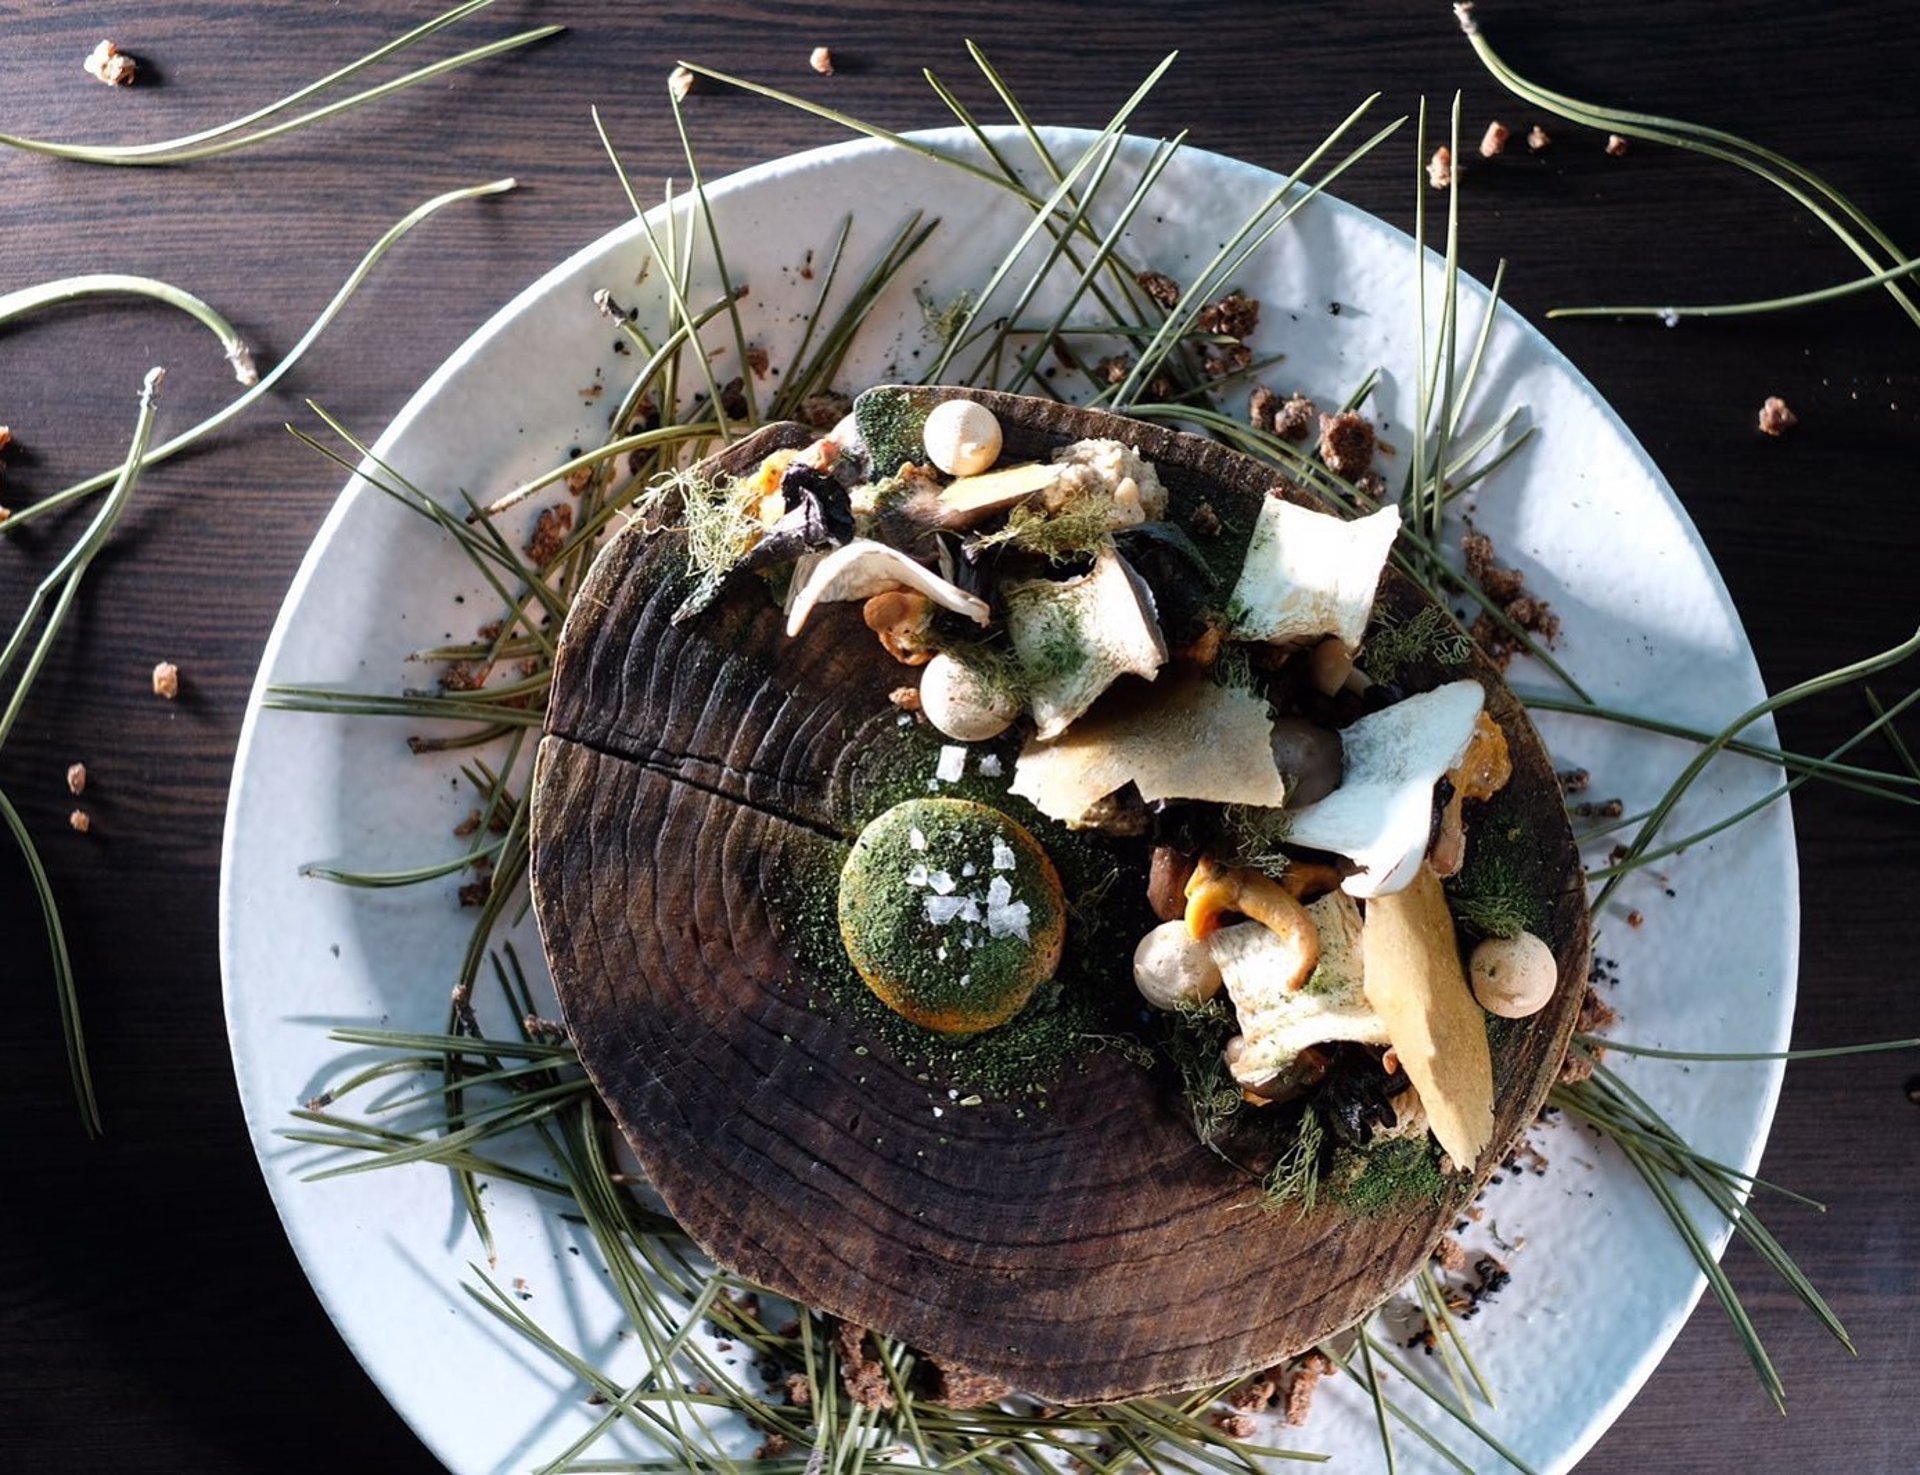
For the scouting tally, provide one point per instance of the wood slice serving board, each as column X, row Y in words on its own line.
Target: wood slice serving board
column 695, row 790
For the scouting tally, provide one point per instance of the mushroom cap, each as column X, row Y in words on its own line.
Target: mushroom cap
column 1309, row 574
column 962, row 437
column 952, row 953
column 1513, row 977
column 964, row 703
column 1172, row 967
column 1076, row 637
column 864, row 568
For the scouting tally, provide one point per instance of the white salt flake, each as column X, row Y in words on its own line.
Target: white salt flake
column 953, row 1095
column 965, row 979
column 1005, row 916
column 989, row 765
column 941, row 882
column 952, row 765
column 969, row 869
column 918, row 875
column 999, row 893
column 937, row 1111
column 1003, row 857
column 903, row 720
column 915, row 839
column 943, row 909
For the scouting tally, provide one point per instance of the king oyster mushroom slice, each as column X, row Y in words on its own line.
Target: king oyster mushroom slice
column 1187, row 738
column 1278, row 1022
column 1074, row 638
column 1382, row 814
column 862, row 569
column 1309, row 574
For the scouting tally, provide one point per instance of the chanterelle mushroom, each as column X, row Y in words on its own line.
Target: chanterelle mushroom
column 864, row 568
column 1075, row 638
column 1309, row 574
column 1382, row 813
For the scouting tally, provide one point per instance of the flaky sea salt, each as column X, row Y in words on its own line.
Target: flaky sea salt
column 917, row 876
column 990, row 765
column 1005, row 916
column 952, row 765
column 1003, row 856
column 915, row 839
column 941, row 882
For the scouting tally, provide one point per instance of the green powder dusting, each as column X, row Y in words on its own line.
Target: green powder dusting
column 1386, row 1176
column 892, row 422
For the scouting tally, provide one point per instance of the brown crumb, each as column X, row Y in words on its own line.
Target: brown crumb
column 6, row 437
column 1595, row 1014
column 464, row 676
column 549, row 535
column 1114, row 368
column 475, row 893
column 1775, row 417
column 825, row 410
column 1294, row 420
column 1507, row 588
column 733, row 397
column 1224, row 359
column 80, row 820
column 1346, row 444
column 1538, row 138
column 774, row 1445
column 1573, row 780
column 1299, row 1403
column 821, row 60
column 906, row 698
column 799, row 1390
column 680, row 82
column 469, row 825
column 1235, row 315
column 861, row 1373
column 1204, row 520
column 959, row 1387
column 1252, row 1396
column 1440, row 168
column 1616, row 145
column 111, row 65
column 1599, row 809
column 1262, row 405
column 1162, row 288
column 5, row 513
column 757, row 361
column 76, row 778
column 1450, row 1254
column 166, row 680
column 1237, row 1426
column 579, row 479
column 1494, row 141
column 1636, row 918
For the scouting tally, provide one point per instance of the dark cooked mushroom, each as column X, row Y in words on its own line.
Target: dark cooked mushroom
column 1308, row 757
column 1358, row 1095
column 819, row 515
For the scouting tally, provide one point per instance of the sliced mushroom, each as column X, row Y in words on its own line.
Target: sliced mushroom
column 1309, row 574
column 1279, row 1024
column 1075, row 638
column 1381, row 816
column 973, row 499
column 864, row 568
column 1187, row 738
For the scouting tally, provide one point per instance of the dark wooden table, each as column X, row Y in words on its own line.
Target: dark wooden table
column 152, row 1318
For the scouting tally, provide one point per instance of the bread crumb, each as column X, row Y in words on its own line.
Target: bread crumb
column 1347, row 444
column 959, row 1387
column 1237, row 1426
column 80, row 820
column 1255, row 1394
column 861, row 1373
column 111, row 65
column 906, row 698
column 1312, row 1368
column 1538, row 138
column 1775, row 417
column 1162, row 288
column 1616, row 145
column 1440, row 168
column 1294, row 420
column 76, row 778
column 1236, row 316
column 166, row 680
column 549, row 535
column 1494, row 141
column 799, row 1390
column 1450, row 1254
column 821, row 61
column 680, row 83
column 773, row 1447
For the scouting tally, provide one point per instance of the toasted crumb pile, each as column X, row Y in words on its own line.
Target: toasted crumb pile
column 111, row 65
column 862, row 1374
column 1440, row 167
column 1494, row 141
column 166, row 680
column 1507, row 588
column 1775, row 417
column 821, row 60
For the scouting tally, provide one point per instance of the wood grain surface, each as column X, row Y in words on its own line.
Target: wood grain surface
column 689, row 772
column 153, row 1317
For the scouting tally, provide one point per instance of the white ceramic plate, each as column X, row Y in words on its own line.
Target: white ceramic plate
column 1602, row 1284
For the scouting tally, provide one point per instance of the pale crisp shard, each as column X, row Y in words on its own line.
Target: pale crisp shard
column 1415, row 982
column 1278, row 1022
column 1310, row 574
column 863, row 568
column 1382, row 813
column 1189, row 738
column 1074, row 638
column 951, row 766
column 971, row 499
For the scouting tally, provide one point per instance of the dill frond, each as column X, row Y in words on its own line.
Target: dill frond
column 1254, row 836
column 1430, row 636
column 1492, row 897
column 1196, row 1038
column 1295, row 1179
column 1080, row 529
